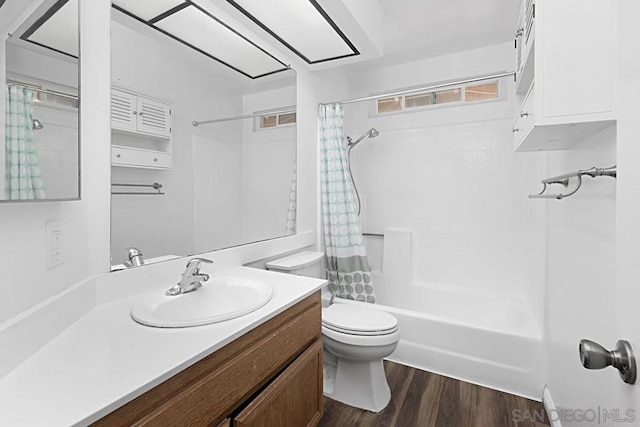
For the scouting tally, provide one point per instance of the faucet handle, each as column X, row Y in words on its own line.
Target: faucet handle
column 197, row 262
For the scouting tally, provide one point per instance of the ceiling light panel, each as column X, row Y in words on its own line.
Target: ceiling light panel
column 191, row 25
column 59, row 30
column 302, row 26
column 147, row 9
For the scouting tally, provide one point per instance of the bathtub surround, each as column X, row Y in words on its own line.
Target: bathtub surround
column 347, row 267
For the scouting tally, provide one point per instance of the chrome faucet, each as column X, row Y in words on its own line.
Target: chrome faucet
column 192, row 278
column 135, row 258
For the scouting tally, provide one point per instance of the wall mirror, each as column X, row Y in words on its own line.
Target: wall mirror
column 40, row 100
column 180, row 188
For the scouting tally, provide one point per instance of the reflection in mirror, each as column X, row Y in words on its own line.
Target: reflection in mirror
column 41, row 157
column 179, row 189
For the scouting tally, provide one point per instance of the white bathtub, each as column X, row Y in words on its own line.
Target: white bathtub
column 487, row 340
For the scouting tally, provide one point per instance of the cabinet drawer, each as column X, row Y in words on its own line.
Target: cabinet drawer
column 132, row 157
column 215, row 395
column 294, row 399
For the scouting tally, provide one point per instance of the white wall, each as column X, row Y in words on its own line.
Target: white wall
column 25, row 281
column 268, row 156
column 449, row 174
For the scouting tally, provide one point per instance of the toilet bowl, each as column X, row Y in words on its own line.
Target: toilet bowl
column 356, row 338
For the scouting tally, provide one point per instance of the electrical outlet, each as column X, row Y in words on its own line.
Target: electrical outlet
column 54, row 238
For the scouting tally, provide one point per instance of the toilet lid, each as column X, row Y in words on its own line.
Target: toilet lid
column 351, row 318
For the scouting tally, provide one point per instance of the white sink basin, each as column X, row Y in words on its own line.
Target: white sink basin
column 219, row 299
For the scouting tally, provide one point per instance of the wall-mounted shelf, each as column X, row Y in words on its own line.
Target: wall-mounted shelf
column 141, row 134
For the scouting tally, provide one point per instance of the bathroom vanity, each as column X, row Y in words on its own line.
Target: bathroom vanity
column 271, row 376
column 262, row 368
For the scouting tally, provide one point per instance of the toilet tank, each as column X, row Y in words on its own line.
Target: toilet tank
column 306, row 263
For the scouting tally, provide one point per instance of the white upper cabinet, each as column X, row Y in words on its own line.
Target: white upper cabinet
column 565, row 72
column 141, row 131
column 136, row 113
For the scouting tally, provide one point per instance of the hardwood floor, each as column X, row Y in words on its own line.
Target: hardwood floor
column 423, row 399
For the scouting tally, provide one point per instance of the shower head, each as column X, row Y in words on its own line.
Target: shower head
column 371, row 133
column 37, row 124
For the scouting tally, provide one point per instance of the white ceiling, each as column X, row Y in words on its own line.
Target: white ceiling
column 426, row 28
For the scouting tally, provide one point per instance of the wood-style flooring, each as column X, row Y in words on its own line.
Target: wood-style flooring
column 423, row 399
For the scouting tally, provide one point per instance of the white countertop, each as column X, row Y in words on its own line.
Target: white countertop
column 105, row 359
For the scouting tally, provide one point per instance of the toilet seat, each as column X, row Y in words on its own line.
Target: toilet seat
column 356, row 325
column 358, row 320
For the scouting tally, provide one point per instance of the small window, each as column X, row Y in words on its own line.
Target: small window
column 446, row 96
column 389, row 105
column 287, row 119
column 268, row 121
column 421, row 100
column 481, row 92
column 276, row 120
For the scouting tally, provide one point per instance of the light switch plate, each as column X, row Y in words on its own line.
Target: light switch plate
column 54, row 238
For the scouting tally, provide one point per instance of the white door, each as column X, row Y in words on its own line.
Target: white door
column 623, row 400
column 627, row 310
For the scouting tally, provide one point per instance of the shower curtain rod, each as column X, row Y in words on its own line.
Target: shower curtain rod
column 247, row 116
column 422, row 89
column 39, row 89
column 366, row 98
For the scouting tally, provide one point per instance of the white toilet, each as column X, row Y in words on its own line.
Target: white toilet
column 356, row 339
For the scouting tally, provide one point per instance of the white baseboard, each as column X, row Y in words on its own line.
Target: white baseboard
column 550, row 407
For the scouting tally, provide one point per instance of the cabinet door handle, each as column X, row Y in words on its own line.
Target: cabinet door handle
column 524, row 114
column 155, row 159
column 515, row 130
column 118, row 155
column 134, row 113
column 140, row 113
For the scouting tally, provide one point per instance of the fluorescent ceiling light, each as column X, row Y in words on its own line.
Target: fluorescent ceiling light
column 190, row 24
column 301, row 25
column 58, row 31
column 147, row 9
column 198, row 29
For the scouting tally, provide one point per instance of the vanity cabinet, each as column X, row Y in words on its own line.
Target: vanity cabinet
column 565, row 72
column 141, row 131
column 270, row 376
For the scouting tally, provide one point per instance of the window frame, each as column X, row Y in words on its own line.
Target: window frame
column 433, row 105
column 257, row 122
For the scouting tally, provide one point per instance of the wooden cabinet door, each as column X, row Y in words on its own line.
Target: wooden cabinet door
column 294, row 399
column 153, row 117
column 123, row 110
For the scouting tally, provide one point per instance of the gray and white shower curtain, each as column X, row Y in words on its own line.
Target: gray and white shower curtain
column 347, row 266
